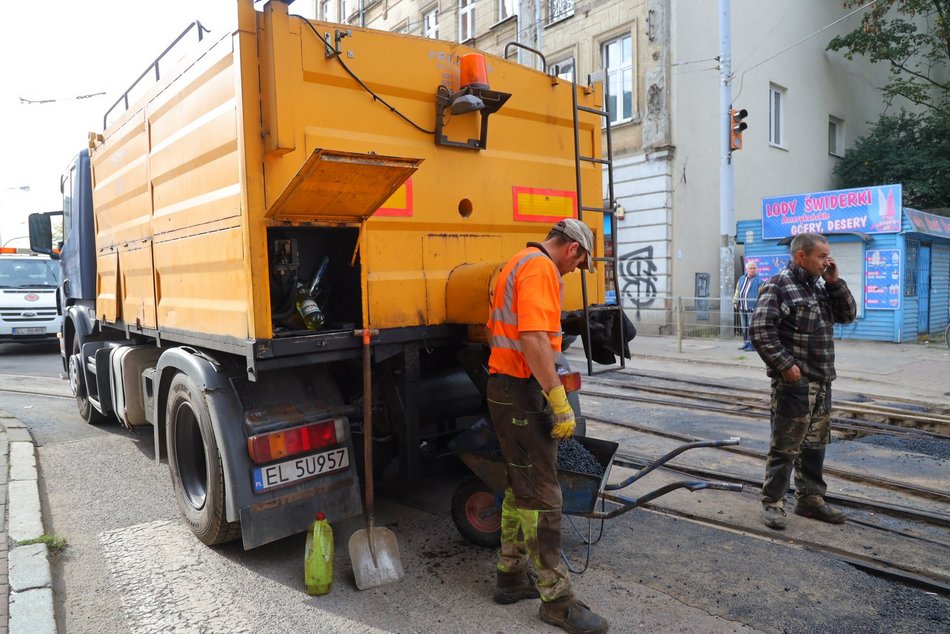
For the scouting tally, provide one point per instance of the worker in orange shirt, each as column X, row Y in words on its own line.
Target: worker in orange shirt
column 530, row 413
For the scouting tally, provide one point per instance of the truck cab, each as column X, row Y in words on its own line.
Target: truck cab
column 29, row 310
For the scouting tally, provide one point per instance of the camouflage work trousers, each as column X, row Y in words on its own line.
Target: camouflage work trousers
column 532, row 503
column 801, row 429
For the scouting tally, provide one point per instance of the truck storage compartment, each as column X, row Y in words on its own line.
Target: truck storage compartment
column 312, row 266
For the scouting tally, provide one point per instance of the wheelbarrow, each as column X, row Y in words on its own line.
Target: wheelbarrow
column 476, row 503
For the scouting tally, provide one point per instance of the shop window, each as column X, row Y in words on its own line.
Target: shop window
column 910, row 268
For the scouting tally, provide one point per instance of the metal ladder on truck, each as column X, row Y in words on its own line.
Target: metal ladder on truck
column 610, row 213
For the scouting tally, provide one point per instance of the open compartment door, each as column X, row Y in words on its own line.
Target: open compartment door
column 341, row 186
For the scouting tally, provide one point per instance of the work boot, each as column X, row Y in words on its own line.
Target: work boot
column 774, row 517
column 825, row 512
column 572, row 616
column 511, row 587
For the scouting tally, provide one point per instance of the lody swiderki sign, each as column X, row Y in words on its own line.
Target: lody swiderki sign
column 863, row 209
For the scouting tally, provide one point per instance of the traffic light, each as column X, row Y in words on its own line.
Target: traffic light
column 736, row 127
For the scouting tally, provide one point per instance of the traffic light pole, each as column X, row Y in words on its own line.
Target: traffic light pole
column 727, row 222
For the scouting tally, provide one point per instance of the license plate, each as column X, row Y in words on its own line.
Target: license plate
column 284, row 473
column 29, row 331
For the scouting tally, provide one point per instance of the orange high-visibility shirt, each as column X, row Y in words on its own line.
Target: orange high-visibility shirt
column 527, row 298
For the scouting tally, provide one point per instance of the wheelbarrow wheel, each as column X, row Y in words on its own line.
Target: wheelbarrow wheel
column 476, row 511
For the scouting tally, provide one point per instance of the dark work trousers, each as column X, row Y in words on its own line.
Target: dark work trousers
column 801, row 429
column 532, row 502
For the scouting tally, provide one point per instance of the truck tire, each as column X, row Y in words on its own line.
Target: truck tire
column 77, row 380
column 476, row 511
column 195, row 463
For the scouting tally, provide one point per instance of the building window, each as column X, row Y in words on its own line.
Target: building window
column 430, row 24
column 565, row 69
column 344, row 13
column 835, row 136
column 777, row 116
column 325, row 11
column 618, row 61
column 402, row 27
column 506, row 9
column 466, row 20
column 559, row 10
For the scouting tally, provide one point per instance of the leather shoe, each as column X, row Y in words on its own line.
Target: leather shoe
column 824, row 513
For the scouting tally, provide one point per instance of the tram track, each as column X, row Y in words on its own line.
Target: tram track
column 34, row 393
column 758, row 407
column 908, row 525
column 902, row 487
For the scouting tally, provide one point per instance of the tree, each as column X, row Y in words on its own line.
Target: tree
column 913, row 36
column 905, row 148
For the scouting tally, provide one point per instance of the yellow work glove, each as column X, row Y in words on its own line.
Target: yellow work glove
column 563, row 413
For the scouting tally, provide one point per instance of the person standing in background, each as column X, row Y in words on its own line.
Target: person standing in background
column 792, row 329
column 747, row 292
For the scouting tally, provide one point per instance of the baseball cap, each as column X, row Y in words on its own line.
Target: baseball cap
column 581, row 234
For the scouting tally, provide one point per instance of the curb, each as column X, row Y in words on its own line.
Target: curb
column 29, row 573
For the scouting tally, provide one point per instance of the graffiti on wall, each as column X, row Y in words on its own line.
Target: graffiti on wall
column 638, row 278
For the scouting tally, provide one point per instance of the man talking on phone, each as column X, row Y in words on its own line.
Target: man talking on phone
column 792, row 330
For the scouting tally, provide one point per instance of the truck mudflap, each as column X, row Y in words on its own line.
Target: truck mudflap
column 273, row 518
column 267, row 515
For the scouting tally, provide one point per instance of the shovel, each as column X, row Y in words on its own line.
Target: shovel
column 374, row 552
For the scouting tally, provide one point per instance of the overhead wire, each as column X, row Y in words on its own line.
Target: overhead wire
column 804, row 39
column 359, row 81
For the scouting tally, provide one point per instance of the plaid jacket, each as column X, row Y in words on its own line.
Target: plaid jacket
column 793, row 323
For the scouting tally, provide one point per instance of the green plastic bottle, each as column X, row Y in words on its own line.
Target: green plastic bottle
column 318, row 557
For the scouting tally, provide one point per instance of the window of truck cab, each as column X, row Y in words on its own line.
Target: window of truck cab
column 69, row 181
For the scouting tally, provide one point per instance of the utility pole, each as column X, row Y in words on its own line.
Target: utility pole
column 727, row 220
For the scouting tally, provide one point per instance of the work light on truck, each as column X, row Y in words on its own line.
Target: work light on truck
column 274, row 445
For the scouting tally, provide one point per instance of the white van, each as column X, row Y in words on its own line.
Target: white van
column 28, row 286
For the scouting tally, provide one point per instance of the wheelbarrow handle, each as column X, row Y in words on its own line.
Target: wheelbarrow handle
column 733, row 440
column 626, row 503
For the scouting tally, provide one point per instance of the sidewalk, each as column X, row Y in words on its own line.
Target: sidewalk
column 907, row 370
column 26, row 592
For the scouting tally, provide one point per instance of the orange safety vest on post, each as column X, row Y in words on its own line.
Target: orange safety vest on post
column 528, row 295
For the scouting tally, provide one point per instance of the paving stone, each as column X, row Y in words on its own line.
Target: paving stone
column 22, row 461
column 29, row 568
column 19, row 434
column 31, row 612
column 24, row 511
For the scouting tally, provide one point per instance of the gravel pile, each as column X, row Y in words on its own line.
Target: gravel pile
column 571, row 456
column 935, row 448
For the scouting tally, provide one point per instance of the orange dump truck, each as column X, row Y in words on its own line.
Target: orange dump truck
column 290, row 184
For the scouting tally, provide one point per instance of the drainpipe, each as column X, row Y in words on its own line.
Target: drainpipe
column 537, row 23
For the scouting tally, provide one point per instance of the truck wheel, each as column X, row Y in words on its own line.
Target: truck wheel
column 195, row 463
column 77, row 382
column 476, row 511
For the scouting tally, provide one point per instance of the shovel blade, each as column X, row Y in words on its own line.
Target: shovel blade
column 387, row 567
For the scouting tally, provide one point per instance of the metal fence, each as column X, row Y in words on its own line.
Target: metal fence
column 682, row 317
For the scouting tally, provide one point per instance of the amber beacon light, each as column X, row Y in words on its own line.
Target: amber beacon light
column 474, row 95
